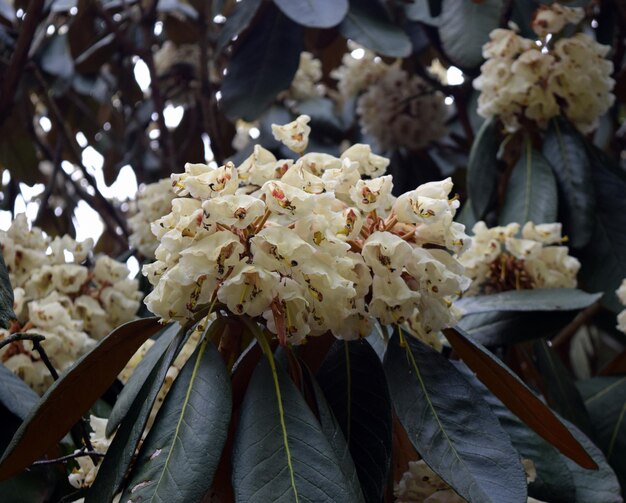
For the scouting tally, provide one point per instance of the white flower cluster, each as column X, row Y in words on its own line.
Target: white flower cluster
column 621, row 317
column 525, row 79
column 71, row 305
column 85, row 474
column 498, row 260
column 395, row 108
column 171, row 54
column 153, row 201
column 306, row 82
column 309, row 246
column 420, row 484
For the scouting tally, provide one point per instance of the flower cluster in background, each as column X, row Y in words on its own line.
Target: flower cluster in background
column 153, row 201
column 306, row 82
column 621, row 317
column 524, row 79
column 70, row 304
column 310, row 246
column 395, row 108
column 498, row 260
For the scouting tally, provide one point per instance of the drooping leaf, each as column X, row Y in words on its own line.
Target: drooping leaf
column 56, row 58
column 539, row 299
column 71, row 396
column 179, row 457
column 465, row 26
column 314, row 13
column 499, row 328
column 280, row 451
column 504, row 384
column 605, row 399
column 122, row 449
column 263, row 65
column 15, row 394
column 531, row 194
column 482, row 168
column 560, row 390
column 6, row 296
column 564, row 149
column 332, row 429
column 604, row 258
column 353, row 381
column 138, row 378
column 452, row 428
column 238, row 20
column 368, row 23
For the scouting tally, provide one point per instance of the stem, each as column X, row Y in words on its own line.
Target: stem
column 80, row 454
column 581, row 319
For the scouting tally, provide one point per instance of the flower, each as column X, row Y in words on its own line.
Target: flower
column 523, row 79
column 314, row 248
column 305, row 84
column 498, row 260
column 294, row 135
column 621, row 317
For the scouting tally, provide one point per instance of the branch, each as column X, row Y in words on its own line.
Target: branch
column 82, row 452
column 18, row 61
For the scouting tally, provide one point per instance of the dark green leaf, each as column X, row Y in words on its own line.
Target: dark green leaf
column 539, row 299
column 604, row 259
column 178, row 460
column 263, row 65
column 280, row 451
column 138, row 378
column 531, row 194
column 353, row 381
column 368, row 23
column 499, row 328
column 237, row 22
column 71, row 396
column 122, row 449
column 482, row 168
column 332, row 429
column 314, row 13
column 6, row 296
column 518, row 397
column 177, row 7
column 451, row 426
column 56, row 58
column 36, row 485
column 564, row 149
column 605, row 398
column 465, row 27
column 421, row 11
column 15, row 394
column 561, row 392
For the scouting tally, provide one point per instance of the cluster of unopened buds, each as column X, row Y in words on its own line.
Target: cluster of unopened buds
column 536, row 80
column 72, row 305
column 499, row 260
column 309, row 246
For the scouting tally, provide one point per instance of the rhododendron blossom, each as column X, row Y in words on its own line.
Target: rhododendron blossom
column 309, row 249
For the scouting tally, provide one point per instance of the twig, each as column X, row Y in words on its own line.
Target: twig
column 581, row 319
column 20, row 337
column 79, row 454
column 20, row 56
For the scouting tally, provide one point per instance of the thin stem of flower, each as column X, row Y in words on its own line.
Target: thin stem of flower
column 82, row 452
column 258, row 226
column 390, row 223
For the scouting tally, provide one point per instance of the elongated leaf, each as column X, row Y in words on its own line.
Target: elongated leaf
column 504, row 384
column 561, row 392
column 482, row 168
column 237, row 22
column 465, row 26
column 368, row 23
column 122, row 449
column 353, row 381
column 263, row 65
column 178, row 460
column 539, row 299
column 564, row 149
column 6, row 296
column 280, row 451
column 604, row 259
column 605, row 398
column 71, row 396
column 138, row 378
column 531, row 194
column 56, row 57
column 15, row 394
column 314, row 13
column 334, row 435
column 499, row 328
column 452, row 428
